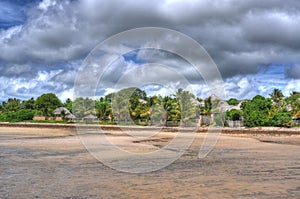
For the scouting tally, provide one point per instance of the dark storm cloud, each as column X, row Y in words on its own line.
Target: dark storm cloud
column 14, row 71
column 240, row 36
column 294, row 72
column 68, row 30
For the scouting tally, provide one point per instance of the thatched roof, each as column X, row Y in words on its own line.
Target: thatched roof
column 60, row 110
column 90, row 116
column 70, row 116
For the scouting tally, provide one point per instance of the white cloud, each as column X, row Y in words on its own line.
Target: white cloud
column 10, row 33
column 66, row 94
column 45, row 76
column 45, row 4
column 292, row 85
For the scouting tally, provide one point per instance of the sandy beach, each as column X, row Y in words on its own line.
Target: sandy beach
column 53, row 163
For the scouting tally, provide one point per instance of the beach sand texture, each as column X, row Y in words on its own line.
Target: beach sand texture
column 53, row 163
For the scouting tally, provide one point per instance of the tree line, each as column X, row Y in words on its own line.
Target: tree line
column 133, row 106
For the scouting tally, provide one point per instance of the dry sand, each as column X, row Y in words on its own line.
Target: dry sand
column 53, row 163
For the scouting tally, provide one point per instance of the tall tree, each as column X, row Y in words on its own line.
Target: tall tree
column 103, row 109
column 46, row 103
column 28, row 104
column 206, row 110
column 121, row 106
column 256, row 111
column 137, row 97
column 157, row 113
column 68, row 104
column 12, row 105
column 187, row 106
column 83, row 106
column 276, row 95
column 141, row 112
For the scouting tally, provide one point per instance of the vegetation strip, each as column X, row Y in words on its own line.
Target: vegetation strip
column 132, row 106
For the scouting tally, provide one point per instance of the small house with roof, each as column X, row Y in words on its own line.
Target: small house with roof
column 90, row 118
column 60, row 113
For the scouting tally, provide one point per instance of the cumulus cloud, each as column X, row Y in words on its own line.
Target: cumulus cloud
column 292, row 85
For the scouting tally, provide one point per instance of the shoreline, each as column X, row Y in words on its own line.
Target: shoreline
column 224, row 130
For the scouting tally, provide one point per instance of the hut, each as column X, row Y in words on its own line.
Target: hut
column 90, row 118
column 70, row 117
column 60, row 113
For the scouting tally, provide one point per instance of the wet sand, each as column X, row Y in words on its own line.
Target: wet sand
column 53, row 163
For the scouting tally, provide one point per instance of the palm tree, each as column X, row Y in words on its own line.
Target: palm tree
column 276, row 95
column 187, row 106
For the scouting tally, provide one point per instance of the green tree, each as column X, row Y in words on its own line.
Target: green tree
column 167, row 111
column 157, row 113
column 137, row 102
column 206, row 110
column 28, row 104
column 83, row 106
column 141, row 112
column 78, row 107
column 68, row 104
column 276, row 95
column 47, row 103
column 233, row 101
column 171, row 111
column 126, row 104
column 12, row 105
column 256, row 111
column 103, row 109
column 187, row 105
column 121, row 105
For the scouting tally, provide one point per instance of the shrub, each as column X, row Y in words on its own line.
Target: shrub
column 18, row 116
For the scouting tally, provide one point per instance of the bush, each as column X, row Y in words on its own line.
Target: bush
column 256, row 111
column 18, row 116
column 281, row 119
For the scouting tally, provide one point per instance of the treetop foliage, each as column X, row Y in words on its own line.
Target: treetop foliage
column 132, row 105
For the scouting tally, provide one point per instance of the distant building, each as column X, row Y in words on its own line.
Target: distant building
column 60, row 113
column 89, row 118
column 70, row 117
column 218, row 112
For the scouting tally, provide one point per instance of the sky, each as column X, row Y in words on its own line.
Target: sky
column 44, row 44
